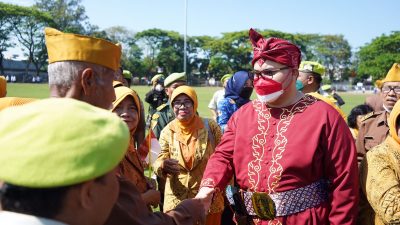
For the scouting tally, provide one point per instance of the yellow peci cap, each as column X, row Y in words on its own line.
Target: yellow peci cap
column 392, row 76
column 73, row 47
column 59, row 142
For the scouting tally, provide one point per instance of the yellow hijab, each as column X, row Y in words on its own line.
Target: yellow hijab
column 121, row 92
column 187, row 128
column 392, row 122
column 3, row 86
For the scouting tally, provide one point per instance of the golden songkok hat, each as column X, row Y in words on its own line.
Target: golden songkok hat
column 392, row 76
column 73, row 47
column 3, row 86
column 121, row 92
column 59, row 142
column 14, row 101
column 174, row 77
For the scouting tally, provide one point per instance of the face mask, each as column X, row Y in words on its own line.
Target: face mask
column 299, row 85
column 246, row 92
column 267, row 89
column 159, row 87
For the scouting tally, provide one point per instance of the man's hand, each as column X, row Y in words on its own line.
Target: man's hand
column 170, row 166
column 152, row 197
column 206, row 194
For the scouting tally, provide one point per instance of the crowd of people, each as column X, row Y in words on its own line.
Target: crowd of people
column 289, row 156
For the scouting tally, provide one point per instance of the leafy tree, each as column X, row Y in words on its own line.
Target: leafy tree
column 334, row 52
column 28, row 29
column 27, row 24
column 7, row 13
column 162, row 48
column 377, row 57
column 68, row 15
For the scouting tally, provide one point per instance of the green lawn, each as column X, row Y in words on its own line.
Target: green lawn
column 204, row 95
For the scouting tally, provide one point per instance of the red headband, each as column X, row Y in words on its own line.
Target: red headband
column 274, row 49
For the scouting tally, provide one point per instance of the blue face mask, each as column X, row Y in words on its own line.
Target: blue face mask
column 299, row 85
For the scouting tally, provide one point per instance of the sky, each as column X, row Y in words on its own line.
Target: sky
column 358, row 21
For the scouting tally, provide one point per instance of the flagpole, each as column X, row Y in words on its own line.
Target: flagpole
column 184, row 42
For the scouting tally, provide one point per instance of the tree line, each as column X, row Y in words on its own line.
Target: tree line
column 148, row 52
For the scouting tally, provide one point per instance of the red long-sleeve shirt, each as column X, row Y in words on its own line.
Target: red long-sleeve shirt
column 279, row 149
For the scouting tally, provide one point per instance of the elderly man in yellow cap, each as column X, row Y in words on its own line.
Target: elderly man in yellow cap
column 374, row 127
column 309, row 82
column 82, row 67
column 50, row 179
column 3, row 87
column 218, row 96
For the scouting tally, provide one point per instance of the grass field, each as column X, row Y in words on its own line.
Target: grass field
column 204, row 95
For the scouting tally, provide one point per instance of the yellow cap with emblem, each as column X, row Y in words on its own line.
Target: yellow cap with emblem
column 392, row 76
column 73, row 47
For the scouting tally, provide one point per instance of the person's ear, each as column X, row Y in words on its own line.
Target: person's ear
column 88, row 81
column 310, row 79
column 86, row 194
column 166, row 90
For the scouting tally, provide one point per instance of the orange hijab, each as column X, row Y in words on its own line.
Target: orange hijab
column 121, row 92
column 189, row 127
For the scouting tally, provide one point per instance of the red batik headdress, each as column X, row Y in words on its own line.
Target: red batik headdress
column 274, row 49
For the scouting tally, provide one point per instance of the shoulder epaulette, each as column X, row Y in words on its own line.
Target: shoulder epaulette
column 161, row 107
column 370, row 115
column 155, row 116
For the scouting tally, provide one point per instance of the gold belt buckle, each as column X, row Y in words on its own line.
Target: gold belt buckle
column 263, row 206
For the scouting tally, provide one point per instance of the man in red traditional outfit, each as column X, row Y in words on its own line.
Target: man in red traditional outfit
column 291, row 146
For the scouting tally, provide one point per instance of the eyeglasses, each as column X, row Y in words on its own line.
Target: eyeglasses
column 178, row 105
column 387, row 89
column 267, row 73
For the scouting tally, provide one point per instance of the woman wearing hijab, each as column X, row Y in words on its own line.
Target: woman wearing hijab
column 127, row 107
column 380, row 176
column 187, row 142
column 237, row 93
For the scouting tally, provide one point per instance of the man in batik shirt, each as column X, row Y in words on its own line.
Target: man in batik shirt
column 291, row 146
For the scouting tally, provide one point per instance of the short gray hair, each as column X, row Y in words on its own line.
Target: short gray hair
column 65, row 72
